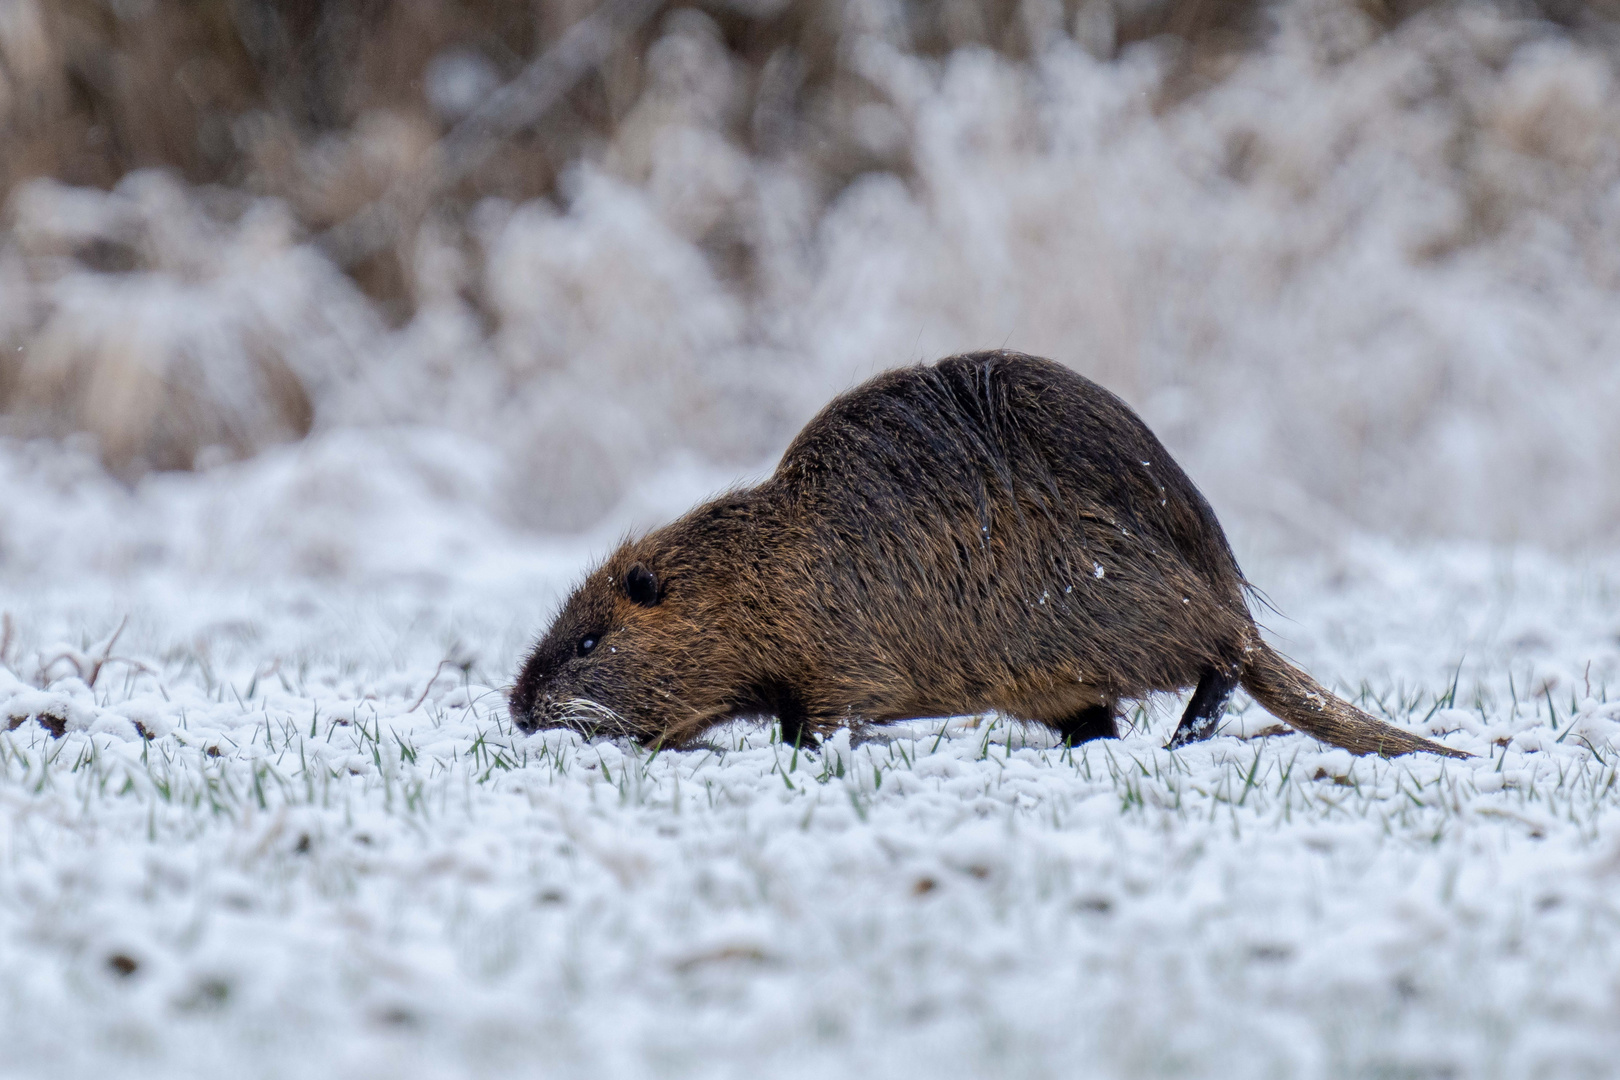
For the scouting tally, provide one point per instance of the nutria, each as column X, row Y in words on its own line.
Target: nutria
column 992, row 532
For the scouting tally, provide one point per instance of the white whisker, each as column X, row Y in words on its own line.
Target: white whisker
column 590, row 717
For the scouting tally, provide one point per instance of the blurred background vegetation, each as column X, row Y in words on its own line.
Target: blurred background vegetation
column 230, row 223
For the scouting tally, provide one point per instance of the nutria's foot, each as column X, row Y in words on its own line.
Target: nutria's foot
column 1205, row 709
column 1096, row 722
column 796, row 733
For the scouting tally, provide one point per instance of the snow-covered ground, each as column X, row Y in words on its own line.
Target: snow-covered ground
column 288, row 831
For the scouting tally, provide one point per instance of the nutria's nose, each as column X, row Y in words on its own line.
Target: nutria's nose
column 522, row 713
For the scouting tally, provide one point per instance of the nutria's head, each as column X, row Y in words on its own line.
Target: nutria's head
column 638, row 650
column 590, row 672
column 664, row 639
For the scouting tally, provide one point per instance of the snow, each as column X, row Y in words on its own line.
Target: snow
column 330, row 854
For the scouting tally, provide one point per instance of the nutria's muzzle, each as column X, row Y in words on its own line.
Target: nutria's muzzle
column 531, row 713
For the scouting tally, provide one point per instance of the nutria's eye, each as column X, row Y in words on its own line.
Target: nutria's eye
column 588, row 642
column 641, row 586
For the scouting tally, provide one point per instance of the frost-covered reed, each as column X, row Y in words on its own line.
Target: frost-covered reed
column 1359, row 275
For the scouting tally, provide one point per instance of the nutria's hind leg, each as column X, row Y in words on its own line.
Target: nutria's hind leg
column 1205, row 709
column 798, row 731
column 787, row 705
column 1092, row 722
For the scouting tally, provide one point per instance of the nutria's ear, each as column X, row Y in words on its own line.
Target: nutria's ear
column 641, row 586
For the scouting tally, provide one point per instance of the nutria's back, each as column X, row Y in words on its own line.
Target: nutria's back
column 990, row 532
column 999, row 520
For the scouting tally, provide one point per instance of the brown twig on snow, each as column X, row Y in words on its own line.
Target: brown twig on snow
column 87, row 667
column 429, row 686
column 106, row 653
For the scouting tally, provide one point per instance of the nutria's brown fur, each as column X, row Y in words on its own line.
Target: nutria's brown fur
column 993, row 532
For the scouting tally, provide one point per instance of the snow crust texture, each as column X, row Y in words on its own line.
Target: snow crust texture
column 286, row 830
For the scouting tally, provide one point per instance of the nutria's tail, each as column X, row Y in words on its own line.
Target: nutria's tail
column 1304, row 704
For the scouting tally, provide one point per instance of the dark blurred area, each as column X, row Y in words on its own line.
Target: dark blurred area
column 327, row 104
